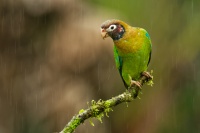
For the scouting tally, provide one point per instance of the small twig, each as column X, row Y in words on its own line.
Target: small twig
column 97, row 109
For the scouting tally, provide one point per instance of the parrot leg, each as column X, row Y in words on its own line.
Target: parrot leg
column 147, row 74
column 136, row 83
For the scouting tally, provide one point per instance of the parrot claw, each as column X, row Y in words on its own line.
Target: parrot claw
column 136, row 83
column 147, row 74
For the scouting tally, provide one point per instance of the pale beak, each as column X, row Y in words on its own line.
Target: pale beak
column 104, row 33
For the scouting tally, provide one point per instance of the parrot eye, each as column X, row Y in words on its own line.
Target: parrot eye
column 112, row 27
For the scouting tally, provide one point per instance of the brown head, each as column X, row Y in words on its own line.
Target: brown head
column 113, row 28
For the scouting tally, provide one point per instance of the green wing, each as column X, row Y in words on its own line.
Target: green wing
column 119, row 62
column 148, row 37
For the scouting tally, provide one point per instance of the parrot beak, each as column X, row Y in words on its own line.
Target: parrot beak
column 104, row 33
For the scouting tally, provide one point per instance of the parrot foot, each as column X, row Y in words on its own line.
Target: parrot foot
column 147, row 74
column 136, row 83
column 138, row 88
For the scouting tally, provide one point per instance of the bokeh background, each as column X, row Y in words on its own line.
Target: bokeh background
column 53, row 61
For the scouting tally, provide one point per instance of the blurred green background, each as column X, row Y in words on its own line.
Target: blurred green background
column 53, row 61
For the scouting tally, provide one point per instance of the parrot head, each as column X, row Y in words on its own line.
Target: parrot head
column 113, row 28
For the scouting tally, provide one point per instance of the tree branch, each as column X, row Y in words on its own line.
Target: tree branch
column 97, row 109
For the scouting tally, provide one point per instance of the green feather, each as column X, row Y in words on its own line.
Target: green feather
column 119, row 62
column 132, row 54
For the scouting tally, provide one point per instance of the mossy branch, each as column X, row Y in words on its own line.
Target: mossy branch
column 99, row 108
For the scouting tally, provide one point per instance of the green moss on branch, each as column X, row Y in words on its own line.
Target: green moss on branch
column 99, row 108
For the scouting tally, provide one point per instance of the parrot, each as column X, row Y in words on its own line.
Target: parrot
column 132, row 50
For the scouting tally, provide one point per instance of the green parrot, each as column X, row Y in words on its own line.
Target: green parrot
column 132, row 50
